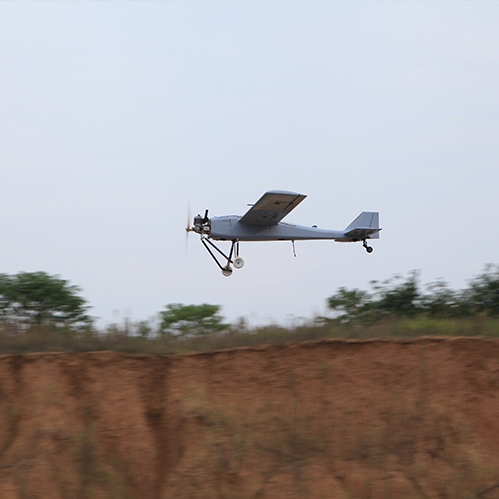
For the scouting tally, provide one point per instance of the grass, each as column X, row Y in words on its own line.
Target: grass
column 124, row 338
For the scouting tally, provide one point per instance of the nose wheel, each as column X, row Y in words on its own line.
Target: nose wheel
column 368, row 248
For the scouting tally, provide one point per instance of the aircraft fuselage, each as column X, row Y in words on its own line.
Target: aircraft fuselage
column 229, row 228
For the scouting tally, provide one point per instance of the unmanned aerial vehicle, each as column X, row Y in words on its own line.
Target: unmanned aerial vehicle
column 262, row 222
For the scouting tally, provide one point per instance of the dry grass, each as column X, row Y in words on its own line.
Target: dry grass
column 125, row 337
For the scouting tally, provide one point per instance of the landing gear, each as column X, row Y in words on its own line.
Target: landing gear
column 227, row 271
column 238, row 262
column 368, row 248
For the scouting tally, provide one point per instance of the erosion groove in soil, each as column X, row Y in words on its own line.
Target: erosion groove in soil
column 325, row 419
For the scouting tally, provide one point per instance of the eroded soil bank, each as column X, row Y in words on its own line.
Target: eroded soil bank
column 327, row 419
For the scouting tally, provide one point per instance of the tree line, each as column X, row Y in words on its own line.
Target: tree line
column 37, row 299
column 399, row 297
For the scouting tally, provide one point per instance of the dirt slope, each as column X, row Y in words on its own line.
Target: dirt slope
column 328, row 419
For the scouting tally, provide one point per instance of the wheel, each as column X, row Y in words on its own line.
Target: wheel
column 227, row 272
column 369, row 249
column 238, row 262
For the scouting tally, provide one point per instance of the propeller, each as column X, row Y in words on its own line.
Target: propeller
column 187, row 227
column 199, row 223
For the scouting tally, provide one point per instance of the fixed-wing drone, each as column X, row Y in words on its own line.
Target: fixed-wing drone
column 262, row 222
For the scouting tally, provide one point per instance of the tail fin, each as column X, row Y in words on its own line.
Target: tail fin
column 365, row 226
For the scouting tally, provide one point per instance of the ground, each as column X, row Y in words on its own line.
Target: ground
column 324, row 419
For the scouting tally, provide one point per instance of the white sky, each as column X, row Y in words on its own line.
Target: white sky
column 115, row 115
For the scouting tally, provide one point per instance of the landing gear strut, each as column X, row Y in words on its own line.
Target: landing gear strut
column 368, row 248
column 226, row 269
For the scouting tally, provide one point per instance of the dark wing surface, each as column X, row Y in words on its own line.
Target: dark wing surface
column 272, row 207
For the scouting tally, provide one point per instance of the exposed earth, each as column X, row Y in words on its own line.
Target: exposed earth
column 326, row 419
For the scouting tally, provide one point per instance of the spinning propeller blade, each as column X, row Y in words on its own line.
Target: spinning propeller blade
column 187, row 227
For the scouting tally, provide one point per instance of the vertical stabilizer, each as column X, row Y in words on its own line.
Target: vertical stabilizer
column 366, row 225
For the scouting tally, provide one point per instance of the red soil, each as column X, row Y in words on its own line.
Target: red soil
column 326, row 419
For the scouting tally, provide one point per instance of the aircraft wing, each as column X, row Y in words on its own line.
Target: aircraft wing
column 272, row 207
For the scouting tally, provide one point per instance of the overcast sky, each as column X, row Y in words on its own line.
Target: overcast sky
column 114, row 116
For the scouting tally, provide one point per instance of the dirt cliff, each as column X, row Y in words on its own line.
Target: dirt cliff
column 327, row 419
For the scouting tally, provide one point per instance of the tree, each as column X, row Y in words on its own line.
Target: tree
column 190, row 320
column 37, row 298
column 483, row 295
column 388, row 298
column 442, row 302
column 399, row 299
column 350, row 305
column 404, row 299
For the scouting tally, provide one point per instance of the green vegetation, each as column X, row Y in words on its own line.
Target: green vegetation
column 190, row 320
column 396, row 299
column 38, row 299
column 39, row 312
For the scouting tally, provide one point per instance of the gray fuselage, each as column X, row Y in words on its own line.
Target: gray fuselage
column 229, row 228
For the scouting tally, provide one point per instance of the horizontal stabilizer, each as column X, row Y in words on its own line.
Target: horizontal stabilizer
column 361, row 232
column 366, row 225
